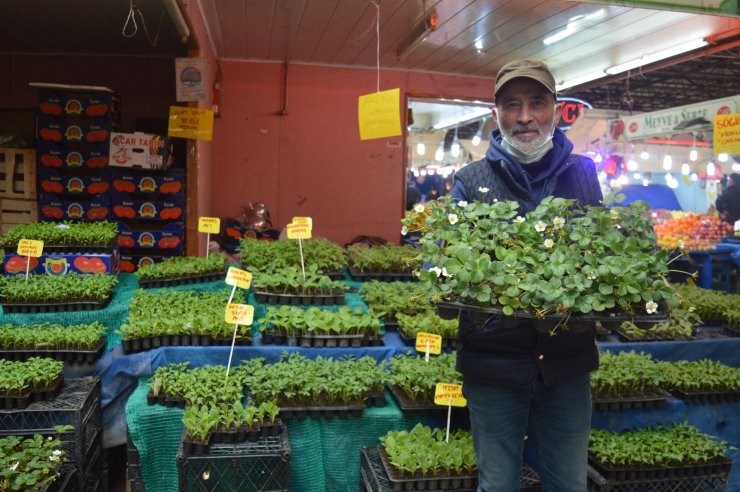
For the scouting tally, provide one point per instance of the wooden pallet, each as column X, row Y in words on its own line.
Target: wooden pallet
column 14, row 212
column 18, row 173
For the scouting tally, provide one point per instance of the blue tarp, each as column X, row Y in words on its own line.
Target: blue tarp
column 657, row 196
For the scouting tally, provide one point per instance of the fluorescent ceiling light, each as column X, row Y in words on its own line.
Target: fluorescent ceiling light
column 574, row 25
column 463, row 118
column 580, row 80
column 178, row 20
column 479, row 45
column 660, row 55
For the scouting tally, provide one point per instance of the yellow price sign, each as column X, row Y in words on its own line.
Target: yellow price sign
column 303, row 220
column 379, row 114
column 211, row 225
column 238, row 278
column 239, row 314
column 298, row 231
column 187, row 122
column 30, row 247
column 424, row 340
column 449, row 394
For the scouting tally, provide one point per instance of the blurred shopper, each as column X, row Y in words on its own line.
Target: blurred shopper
column 728, row 203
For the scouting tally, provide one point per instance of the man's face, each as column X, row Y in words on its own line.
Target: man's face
column 525, row 113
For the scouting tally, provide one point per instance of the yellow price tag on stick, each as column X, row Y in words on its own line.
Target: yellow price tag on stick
column 449, row 394
column 238, row 278
column 428, row 341
column 303, row 220
column 30, row 247
column 239, row 314
column 210, row 225
column 298, row 231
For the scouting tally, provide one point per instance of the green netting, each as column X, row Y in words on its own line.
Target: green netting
column 325, row 452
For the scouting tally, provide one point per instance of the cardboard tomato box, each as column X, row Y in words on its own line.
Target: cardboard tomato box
column 52, row 207
column 169, row 237
column 51, row 155
column 83, row 130
column 62, row 264
column 135, row 181
column 132, row 262
column 128, row 207
column 78, row 101
column 60, row 183
column 139, row 150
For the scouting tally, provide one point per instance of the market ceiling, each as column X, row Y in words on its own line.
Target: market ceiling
column 472, row 38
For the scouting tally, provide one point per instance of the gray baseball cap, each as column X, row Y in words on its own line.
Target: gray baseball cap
column 531, row 69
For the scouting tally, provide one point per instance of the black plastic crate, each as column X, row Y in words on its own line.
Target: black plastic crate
column 373, row 477
column 263, row 465
column 77, row 405
column 133, row 466
column 706, row 483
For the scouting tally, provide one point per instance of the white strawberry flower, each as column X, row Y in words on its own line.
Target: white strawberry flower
column 462, row 204
column 549, row 243
column 404, row 230
column 592, row 275
column 540, row 226
column 445, row 273
column 680, row 244
column 418, row 208
column 437, row 271
column 483, row 189
column 558, row 222
column 519, row 219
column 651, row 307
column 452, row 218
column 13, row 467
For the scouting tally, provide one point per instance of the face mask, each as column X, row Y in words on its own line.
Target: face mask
column 522, row 153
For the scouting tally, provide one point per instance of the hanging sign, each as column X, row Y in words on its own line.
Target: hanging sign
column 239, row 314
column 190, row 123
column 238, row 278
column 379, row 114
column 683, row 119
column 727, row 134
column 570, row 110
column 449, row 394
column 190, row 79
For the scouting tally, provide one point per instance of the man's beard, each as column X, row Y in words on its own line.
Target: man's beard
column 527, row 146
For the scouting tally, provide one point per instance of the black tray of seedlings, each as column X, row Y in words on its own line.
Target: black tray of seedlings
column 390, row 325
column 416, row 408
column 399, row 481
column 133, row 345
column 316, row 412
column 710, row 332
column 54, row 307
column 165, row 399
column 627, row 338
column 82, row 249
column 252, row 434
column 376, row 479
column 447, row 342
column 706, row 396
column 382, row 276
column 70, row 356
column 649, row 399
column 650, row 472
column 335, row 274
column 731, row 331
column 331, row 299
column 192, row 279
column 576, row 323
column 375, row 399
column 19, row 402
column 275, row 337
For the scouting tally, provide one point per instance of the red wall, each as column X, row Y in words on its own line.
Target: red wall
column 310, row 161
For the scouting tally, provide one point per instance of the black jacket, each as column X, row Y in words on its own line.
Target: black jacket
column 516, row 356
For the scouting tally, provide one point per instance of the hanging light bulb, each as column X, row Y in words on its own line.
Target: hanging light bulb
column 693, row 155
column 694, row 176
column 440, row 153
column 455, row 148
column 667, row 162
column 637, row 176
column 644, row 155
column 416, row 173
column 423, row 172
column 632, row 164
column 645, row 182
column 673, row 184
column 722, row 157
column 421, row 148
column 479, row 134
column 685, row 169
column 711, row 169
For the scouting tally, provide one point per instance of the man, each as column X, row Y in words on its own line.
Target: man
column 518, row 381
column 728, row 203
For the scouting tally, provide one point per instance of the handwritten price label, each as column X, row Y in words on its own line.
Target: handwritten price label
column 29, row 247
column 303, row 221
column 238, row 278
column 435, row 342
column 210, row 225
column 449, row 394
column 239, row 314
column 298, row 231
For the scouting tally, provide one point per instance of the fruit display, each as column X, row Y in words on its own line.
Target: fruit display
column 692, row 231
